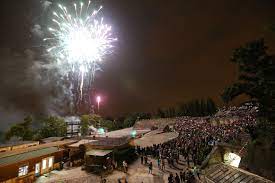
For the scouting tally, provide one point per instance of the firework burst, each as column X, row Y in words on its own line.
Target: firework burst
column 79, row 40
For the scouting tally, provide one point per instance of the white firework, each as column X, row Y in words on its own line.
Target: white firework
column 79, row 40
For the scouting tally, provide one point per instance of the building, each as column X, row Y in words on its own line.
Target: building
column 227, row 174
column 25, row 164
column 51, row 139
column 105, row 151
column 73, row 126
column 225, row 164
column 17, row 145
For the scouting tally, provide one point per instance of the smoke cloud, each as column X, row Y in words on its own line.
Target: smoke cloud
column 30, row 86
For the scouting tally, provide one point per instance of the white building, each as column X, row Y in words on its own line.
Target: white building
column 73, row 126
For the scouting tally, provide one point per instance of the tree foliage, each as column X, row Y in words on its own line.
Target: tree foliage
column 53, row 127
column 21, row 130
column 256, row 75
column 84, row 124
column 130, row 119
column 198, row 107
column 88, row 120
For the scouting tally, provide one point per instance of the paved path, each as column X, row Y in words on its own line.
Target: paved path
column 137, row 173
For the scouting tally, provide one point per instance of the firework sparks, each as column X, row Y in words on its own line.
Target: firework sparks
column 79, row 40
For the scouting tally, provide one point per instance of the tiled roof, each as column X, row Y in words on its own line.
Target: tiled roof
column 27, row 155
column 17, row 143
column 41, row 146
column 98, row 152
column 222, row 173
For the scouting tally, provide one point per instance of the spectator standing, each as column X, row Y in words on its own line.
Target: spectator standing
column 177, row 178
column 162, row 164
column 125, row 166
column 150, row 167
column 141, row 159
column 182, row 176
column 158, row 162
column 170, row 178
column 145, row 159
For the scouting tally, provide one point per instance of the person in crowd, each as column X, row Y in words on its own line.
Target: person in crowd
column 125, row 166
column 171, row 178
column 150, row 168
column 162, row 164
column 158, row 162
column 177, row 178
column 182, row 176
column 145, row 160
column 141, row 159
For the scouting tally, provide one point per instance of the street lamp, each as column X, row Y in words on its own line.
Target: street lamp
column 98, row 100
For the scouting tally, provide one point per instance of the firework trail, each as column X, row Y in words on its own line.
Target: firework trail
column 79, row 40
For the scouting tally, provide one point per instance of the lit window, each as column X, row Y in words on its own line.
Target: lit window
column 44, row 164
column 37, row 168
column 232, row 159
column 50, row 162
column 23, row 170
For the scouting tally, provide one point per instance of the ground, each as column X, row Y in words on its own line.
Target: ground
column 137, row 173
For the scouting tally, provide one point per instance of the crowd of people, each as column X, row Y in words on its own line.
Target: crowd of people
column 196, row 139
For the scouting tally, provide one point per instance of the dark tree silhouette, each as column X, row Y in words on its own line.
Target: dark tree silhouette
column 198, row 107
column 256, row 76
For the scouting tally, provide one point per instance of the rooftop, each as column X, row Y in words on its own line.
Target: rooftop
column 33, row 148
column 227, row 174
column 125, row 132
column 81, row 142
column 98, row 152
column 15, row 158
column 16, row 143
column 52, row 139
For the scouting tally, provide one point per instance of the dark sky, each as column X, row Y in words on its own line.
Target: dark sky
column 168, row 52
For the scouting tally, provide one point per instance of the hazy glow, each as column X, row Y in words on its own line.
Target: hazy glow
column 98, row 99
column 133, row 133
column 101, row 131
column 79, row 40
column 232, row 159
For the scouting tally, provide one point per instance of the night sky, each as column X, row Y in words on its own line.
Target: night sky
column 168, row 52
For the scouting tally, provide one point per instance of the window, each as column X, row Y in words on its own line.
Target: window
column 232, row 159
column 37, row 168
column 44, row 164
column 23, row 170
column 50, row 162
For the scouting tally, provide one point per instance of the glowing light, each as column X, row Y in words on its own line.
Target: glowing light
column 98, row 99
column 133, row 133
column 232, row 159
column 79, row 40
column 101, row 131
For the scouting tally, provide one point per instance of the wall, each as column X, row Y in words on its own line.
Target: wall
column 11, row 171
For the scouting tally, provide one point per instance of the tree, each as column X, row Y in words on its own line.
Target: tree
column 160, row 113
column 256, row 76
column 21, row 130
column 53, row 127
column 110, row 125
column 197, row 107
column 84, row 124
column 130, row 119
column 95, row 120
column 88, row 120
column 211, row 107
